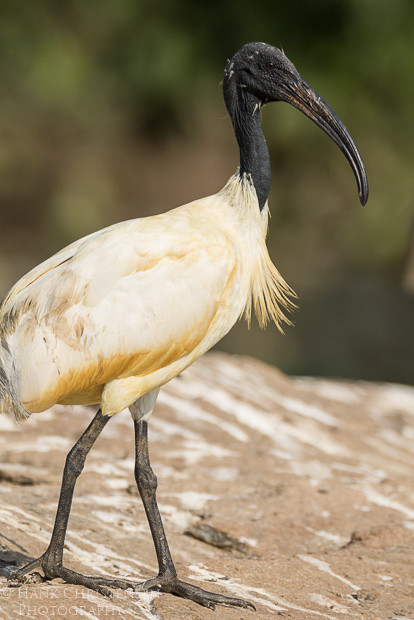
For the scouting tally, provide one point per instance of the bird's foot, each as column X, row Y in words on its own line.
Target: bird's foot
column 24, row 575
column 175, row 586
column 163, row 583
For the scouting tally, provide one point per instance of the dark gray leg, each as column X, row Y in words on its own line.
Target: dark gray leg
column 51, row 560
column 166, row 580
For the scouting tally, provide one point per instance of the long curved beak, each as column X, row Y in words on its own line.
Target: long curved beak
column 303, row 97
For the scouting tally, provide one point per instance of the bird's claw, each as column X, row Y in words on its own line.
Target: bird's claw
column 207, row 599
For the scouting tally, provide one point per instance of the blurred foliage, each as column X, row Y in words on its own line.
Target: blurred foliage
column 111, row 110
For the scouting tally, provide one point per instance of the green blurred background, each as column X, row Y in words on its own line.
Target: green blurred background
column 113, row 109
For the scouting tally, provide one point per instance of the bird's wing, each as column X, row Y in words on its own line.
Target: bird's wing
column 51, row 263
column 127, row 301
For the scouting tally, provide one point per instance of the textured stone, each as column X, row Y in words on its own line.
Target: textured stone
column 314, row 478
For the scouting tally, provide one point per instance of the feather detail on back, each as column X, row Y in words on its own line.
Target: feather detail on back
column 9, row 400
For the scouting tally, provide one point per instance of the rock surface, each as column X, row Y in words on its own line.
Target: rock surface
column 294, row 493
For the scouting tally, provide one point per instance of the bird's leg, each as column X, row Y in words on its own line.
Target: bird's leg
column 166, row 580
column 51, row 560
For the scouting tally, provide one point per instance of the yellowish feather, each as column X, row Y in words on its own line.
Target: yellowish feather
column 270, row 293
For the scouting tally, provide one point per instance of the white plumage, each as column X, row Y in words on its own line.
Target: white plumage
column 122, row 311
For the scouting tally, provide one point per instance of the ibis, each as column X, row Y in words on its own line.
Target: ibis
column 114, row 316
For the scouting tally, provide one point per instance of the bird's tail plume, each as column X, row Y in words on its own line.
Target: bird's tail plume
column 9, row 400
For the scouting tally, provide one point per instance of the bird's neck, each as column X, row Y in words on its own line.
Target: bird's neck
column 254, row 154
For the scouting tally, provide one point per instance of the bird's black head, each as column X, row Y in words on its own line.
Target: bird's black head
column 261, row 69
column 260, row 73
